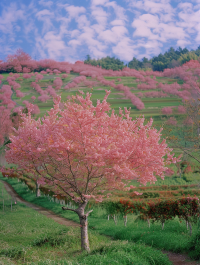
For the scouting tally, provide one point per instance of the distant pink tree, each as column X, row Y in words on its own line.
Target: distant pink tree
column 5, row 124
column 64, row 76
column 51, row 91
column 140, row 95
column 38, row 77
column 19, row 94
column 26, row 70
column 57, row 83
column 33, row 98
column 35, row 110
column 16, row 85
column 27, row 76
column 181, row 109
column 167, row 111
column 43, row 98
column 188, row 121
column 171, row 121
column 25, row 102
column 20, row 55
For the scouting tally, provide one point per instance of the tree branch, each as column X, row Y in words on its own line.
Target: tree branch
column 65, row 208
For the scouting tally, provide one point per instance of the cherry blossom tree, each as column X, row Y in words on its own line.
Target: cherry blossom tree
column 185, row 135
column 19, row 94
column 58, row 82
column 167, row 110
column 181, row 109
column 83, row 151
column 43, row 98
column 5, row 125
column 171, row 121
column 33, row 98
column 20, row 55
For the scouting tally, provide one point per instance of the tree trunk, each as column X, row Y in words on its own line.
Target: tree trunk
column 37, row 189
column 186, row 224
column 163, row 223
column 83, row 224
column 125, row 220
column 115, row 218
column 84, row 233
column 190, row 226
column 148, row 221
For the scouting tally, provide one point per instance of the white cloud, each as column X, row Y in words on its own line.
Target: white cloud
column 45, row 16
column 52, row 46
column 10, row 15
column 98, row 28
column 82, row 21
column 125, row 50
column 75, row 33
column 185, row 6
column 117, row 22
column 74, row 11
column 119, row 10
column 153, row 47
column 99, row 2
column 113, row 35
column 100, row 15
column 88, row 37
column 151, row 6
column 48, row 3
column 43, row 13
column 74, row 43
column 183, row 43
column 151, row 27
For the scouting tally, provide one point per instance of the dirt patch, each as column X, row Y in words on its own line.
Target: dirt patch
column 180, row 259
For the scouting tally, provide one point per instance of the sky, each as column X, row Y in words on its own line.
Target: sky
column 69, row 30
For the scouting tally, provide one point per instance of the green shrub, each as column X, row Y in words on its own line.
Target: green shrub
column 194, row 249
column 150, row 195
column 191, row 177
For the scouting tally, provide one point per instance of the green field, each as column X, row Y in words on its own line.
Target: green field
column 28, row 237
column 38, row 239
column 137, row 243
column 116, row 99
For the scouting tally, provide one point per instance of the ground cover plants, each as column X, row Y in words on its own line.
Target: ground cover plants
column 174, row 237
column 28, row 237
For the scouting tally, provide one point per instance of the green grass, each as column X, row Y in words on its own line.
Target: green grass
column 28, row 237
column 175, row 236
column 152, row 109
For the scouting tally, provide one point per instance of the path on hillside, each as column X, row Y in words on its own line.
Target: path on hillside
column 40, row 209
column 176, row 259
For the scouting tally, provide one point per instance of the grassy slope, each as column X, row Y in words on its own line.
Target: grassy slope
column 175, row 236
column 24, row 234
column 152, row 105
column 152, row 108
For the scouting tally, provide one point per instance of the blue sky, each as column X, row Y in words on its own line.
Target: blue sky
column 68, row 30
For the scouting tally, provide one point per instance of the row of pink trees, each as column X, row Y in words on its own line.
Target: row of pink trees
column 188, row 72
